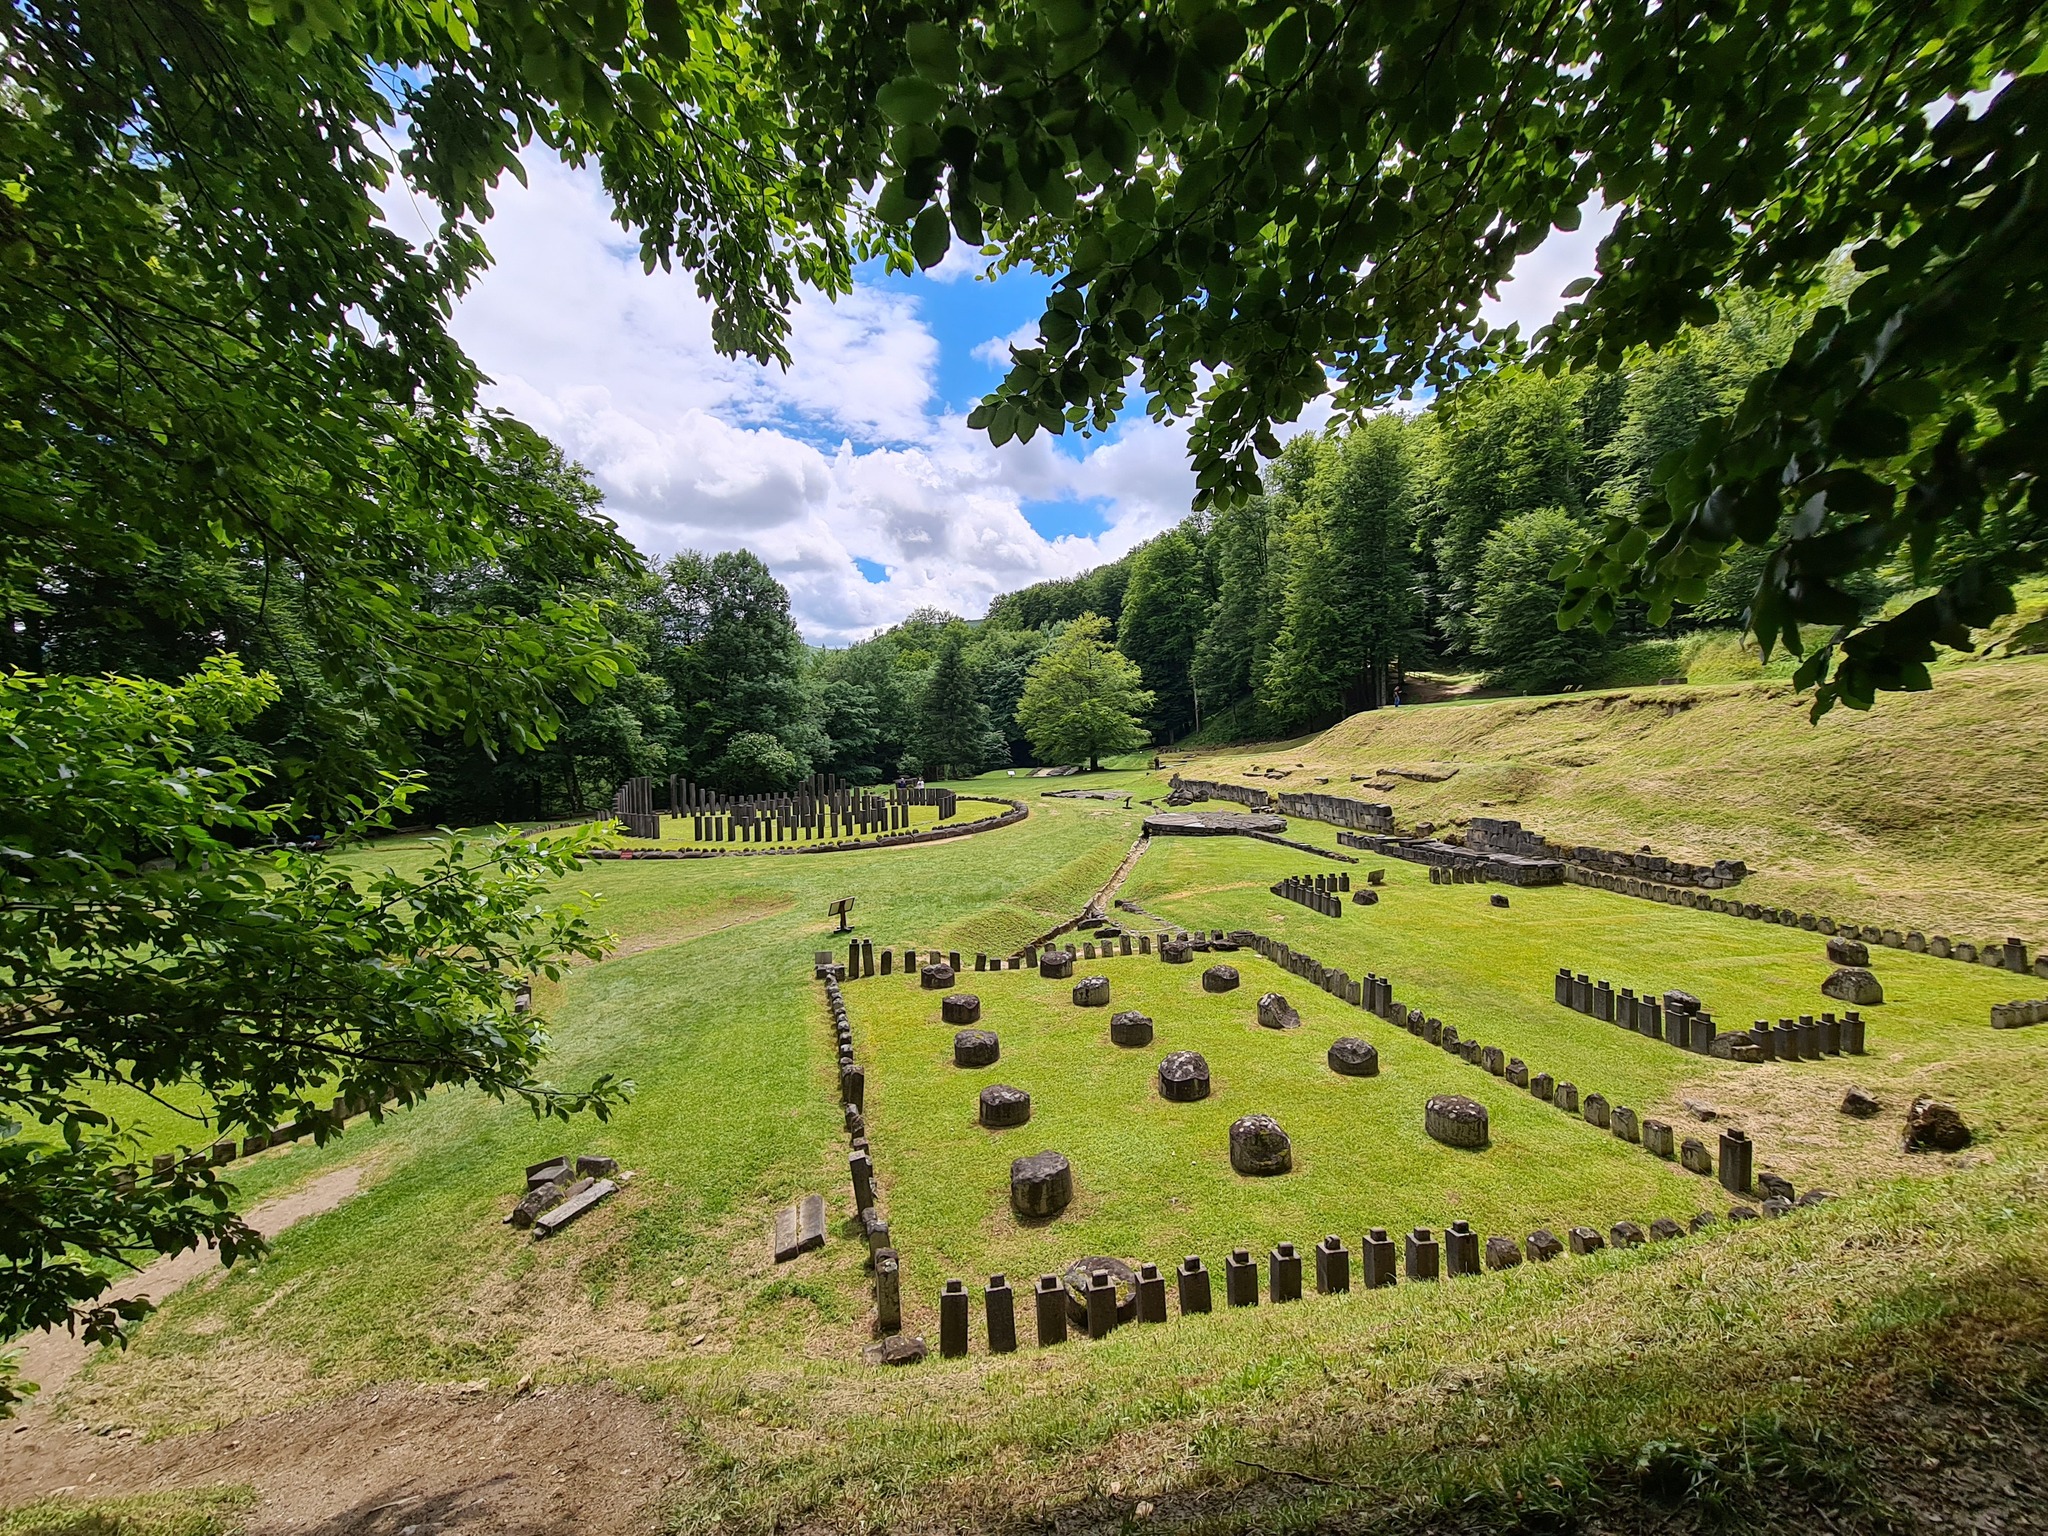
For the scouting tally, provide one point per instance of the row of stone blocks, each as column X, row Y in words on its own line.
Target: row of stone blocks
column 1313, row 893
column 166, row 1165
column 883, row 1258
column 2010, row 955
column 1679, row 1019
column 2019, row 1015
column 1736, row 1161
column 1383, row 1261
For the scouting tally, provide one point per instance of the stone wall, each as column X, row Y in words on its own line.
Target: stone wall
column 1357, row 815
column 1492, row 834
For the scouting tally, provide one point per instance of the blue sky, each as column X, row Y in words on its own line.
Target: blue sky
column 852, row 473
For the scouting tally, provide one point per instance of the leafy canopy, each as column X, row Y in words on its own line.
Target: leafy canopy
column 1082, row 700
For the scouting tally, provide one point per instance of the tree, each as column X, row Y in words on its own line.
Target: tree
column 1350, row 588
column 1081, row 699
column 154, row 932
column 753, row 763
column 731, row 654
column 952, row 722
column 1515, row 611
column 1166, row 606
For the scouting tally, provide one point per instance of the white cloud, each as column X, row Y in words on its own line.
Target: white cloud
column 1534, row 290
column 996, row 350
column 844, row 455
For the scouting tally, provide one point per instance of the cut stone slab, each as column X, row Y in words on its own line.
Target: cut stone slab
column 810, row 1223
column 1455, row 1120
column 782, row 1239
column 535, row 1201
column 592, row 1166
column 1130, row 1028
column 1184, row 1077
column 1041, row 1185
column 1932, row 1126
column 1853, row 984
column 1211, row 823
column 549, row 1172
column 1259, row 1148
column 573, row 1207
column 1276, row 1013
column 1220, row 978
column 1002, row 1106
column 1353, row 1057
column 976, row 1048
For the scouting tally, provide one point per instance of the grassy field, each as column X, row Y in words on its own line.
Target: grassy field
column 679, row 831
column 1734, row 1365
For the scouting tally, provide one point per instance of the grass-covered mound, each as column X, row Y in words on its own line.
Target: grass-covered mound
column 1927, row 811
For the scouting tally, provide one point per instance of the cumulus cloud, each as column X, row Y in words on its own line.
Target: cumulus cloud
column 848, row 455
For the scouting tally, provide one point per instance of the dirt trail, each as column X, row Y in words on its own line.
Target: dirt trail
column 589, row 1460
column 52, row 1357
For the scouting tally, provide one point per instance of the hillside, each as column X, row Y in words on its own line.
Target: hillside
column 1926, row 812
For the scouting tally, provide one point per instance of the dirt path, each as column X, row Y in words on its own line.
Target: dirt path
column 388, row 1460
column 51, row 1358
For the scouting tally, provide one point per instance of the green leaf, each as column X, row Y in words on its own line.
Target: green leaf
column 929, row 237
column 909, row 99
column 665, row 22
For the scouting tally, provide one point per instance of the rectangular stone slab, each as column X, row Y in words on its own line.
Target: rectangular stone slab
column 782, row 1242
column 810, row 1223
column 571, row 1208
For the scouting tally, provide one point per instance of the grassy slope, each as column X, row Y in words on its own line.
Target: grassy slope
column 1927, row 812
column 1502, row 1392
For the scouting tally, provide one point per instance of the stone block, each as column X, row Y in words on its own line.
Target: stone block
column 1566, row 1098
column 1424, row 1256
column 1049, row 1297
column 1493, row 1059
column 1001, row 1107
column 999, row 1307
column 1041, row 1185
column 1333, row 1266
column 1283, row 1274
column 1517, row 1073
column 1595, row 1110
column 1503, row 1253
column 1184, row 1077
column 1130, row 1028
column 1091, row 992
column 1694, row 1157
column 1657, row 1138
column 810, row 1223
column 1102, row 1304
column 1259, row 1148
column 935, row 978
column 1056, row 965
column 1455, row 1120
column 1543, row 1086
column 1622, row 1121
column 960, row 1008
column 1544, row 1246
column 1852, row 984
column 1736, row 1160
column 1932, row 1126
column 953, row 1320
column 1240, row 1279
column 1350, row 1056
column 1275, row 1012
column 1846, row 951
column 1626, row 1234
column 976, row 1048
column 1585, row 1240
column 1191, row 1281
column 1376, row 1260
column 1220, row 978
column 1461, row 1250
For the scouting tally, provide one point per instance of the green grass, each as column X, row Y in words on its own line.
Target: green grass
column 1702, row 1360
column 677, row 831
column 1153, row 1178
column 207, row 1512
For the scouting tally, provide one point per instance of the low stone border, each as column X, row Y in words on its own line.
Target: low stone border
column 1017, row 812
column 1319, row 893
column 2011, row 955
column 1300, row 847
